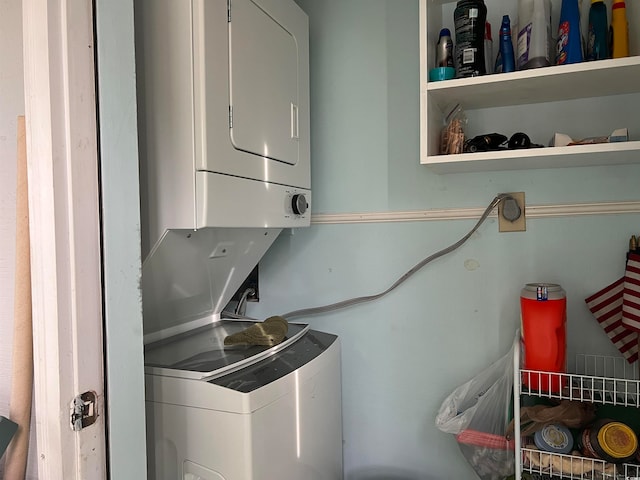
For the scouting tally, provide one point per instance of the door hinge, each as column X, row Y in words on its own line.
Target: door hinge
column 230, row 116
column 84, row 410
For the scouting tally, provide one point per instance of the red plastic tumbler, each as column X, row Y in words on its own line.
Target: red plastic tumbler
column 543, row 308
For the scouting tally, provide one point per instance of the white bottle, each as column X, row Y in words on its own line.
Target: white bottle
column 534, row 34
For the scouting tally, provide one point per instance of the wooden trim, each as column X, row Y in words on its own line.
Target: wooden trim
column 119, row 181
column 532, row 211
column 65, row 233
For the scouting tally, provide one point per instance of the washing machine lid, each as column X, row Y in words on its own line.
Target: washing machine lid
column 201, row 354
column 191, row 275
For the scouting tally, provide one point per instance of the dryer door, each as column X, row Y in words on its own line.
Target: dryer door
column 263, row 79
column 251, row 90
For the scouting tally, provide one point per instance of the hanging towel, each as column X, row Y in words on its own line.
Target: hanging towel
column 631, row 293
column 607, row 307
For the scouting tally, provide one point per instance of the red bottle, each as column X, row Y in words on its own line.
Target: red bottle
column 543, row 309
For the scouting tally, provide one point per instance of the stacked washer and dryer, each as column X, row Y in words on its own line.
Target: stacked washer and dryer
column 223, row 106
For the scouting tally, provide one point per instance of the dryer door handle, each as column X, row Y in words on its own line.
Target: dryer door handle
column 294, row 121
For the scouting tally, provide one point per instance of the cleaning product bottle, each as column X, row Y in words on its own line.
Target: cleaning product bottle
column 469, row 18
column 619, row 31
column 534, row 34
column 597, row 38
column 488, row 49
column 506, row 58
column 444, row 49
column 569, row 48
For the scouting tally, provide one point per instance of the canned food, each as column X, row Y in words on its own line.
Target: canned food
column 585, row 446
column 554, row 438
column 610, row 441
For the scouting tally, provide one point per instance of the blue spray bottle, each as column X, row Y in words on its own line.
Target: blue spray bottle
column 569, row 39
column 505, row 62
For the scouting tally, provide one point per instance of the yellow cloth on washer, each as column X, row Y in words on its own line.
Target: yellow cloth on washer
column 268, row 333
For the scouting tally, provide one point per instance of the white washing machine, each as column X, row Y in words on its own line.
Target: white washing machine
column 244, row 413
column 217, row 412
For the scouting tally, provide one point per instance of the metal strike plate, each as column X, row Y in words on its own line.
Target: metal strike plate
column 83, row 411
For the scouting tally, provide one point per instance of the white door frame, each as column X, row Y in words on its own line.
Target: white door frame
column 60, row 111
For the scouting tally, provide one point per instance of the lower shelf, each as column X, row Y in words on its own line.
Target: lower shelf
column 540, row 465
column 602, row 154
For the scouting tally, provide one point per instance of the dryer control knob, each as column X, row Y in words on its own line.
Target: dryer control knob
column 299, row 204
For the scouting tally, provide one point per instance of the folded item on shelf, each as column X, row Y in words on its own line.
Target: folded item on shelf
column 563, row 140
column 570, row 413
column 564, row 465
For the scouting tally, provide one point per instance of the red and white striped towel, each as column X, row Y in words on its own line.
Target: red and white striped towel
column 607, row 306
column 631, row 293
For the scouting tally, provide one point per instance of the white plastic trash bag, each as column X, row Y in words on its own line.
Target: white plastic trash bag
column 478, row 413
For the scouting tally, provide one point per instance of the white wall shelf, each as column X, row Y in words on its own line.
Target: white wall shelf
column 548, row 157
column 592, row 84
column 539, row 85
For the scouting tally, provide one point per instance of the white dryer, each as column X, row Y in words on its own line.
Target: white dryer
column 223, row 107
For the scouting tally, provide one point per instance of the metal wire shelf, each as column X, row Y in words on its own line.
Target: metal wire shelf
column 600, row 379
column 596, row 379
column 545, row 465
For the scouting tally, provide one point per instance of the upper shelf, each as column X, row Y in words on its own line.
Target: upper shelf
column 550, row 84
column 596, row 379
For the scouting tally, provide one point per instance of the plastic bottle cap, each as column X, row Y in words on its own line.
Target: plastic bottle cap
column 617, row 440
column 619, row 5
column 441, row 73
column 487, row 31
column 445, row 32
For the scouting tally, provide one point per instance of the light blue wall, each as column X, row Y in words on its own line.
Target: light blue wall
column 403, row 354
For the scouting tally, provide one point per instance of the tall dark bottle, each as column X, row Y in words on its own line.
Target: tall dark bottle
column 469, row 18
column 598, row 35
